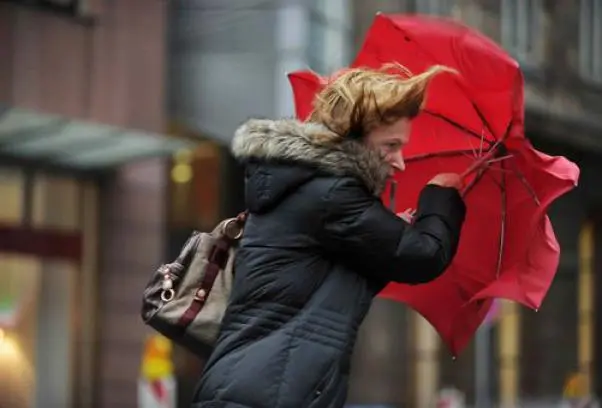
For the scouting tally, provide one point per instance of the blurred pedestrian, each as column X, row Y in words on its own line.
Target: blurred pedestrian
column 319, row 244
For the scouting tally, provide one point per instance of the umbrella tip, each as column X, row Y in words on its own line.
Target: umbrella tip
column 378, row 13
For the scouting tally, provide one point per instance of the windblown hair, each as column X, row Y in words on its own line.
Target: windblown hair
column 358, row 100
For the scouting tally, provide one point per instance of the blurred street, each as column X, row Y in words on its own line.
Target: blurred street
column 115, row 124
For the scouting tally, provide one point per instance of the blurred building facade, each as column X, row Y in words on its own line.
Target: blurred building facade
column 559, row 46
column 83, row 187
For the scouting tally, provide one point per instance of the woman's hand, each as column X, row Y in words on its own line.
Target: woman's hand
column 447, row 180
column 407, row 215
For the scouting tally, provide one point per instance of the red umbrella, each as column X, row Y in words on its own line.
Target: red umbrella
column 472, row 124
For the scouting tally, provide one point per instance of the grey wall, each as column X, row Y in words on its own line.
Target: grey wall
column 229, row 60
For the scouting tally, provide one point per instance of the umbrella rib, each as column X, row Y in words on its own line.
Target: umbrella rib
column 459, row 126
column 499, row 159
column 449, row 153
column 482, row 117
column 481, row 143
column 521, row 177
column 480, row 173
column 503, row 223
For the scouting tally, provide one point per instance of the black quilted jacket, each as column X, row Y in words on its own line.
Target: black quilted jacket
column 318, row 246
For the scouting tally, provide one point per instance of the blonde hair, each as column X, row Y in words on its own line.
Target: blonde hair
column 360, row 99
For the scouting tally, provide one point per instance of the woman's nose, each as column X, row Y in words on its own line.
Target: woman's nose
column 397, row 162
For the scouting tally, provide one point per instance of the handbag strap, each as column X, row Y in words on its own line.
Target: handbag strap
column 217, row 260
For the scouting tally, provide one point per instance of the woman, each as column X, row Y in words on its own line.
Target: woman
column 319, row 244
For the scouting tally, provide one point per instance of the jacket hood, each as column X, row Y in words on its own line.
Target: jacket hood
column 288, row 141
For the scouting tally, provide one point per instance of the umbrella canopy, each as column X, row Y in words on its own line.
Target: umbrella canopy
column 472, row 124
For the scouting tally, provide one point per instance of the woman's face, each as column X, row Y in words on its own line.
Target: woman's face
column 389, row 140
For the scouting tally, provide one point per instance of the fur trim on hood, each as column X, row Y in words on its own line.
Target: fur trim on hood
column 290, row 140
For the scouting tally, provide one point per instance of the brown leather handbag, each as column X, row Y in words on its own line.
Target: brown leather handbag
column 186, row 300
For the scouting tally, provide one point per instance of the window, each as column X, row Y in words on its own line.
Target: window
column 521, row 28
column 590, row 40
column 437, row 7
column 12, row 187
column 19, row 299
column 55, row 203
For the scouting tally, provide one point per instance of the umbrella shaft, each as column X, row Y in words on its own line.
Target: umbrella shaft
column 392, row 193
column 482, row 161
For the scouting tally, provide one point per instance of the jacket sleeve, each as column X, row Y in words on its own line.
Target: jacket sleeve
column 362, row 231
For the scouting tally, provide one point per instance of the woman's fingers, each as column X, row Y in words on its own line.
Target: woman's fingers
column 407, row 215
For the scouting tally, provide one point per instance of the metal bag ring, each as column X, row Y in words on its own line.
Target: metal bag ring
column 232, row 229
column 167, row 295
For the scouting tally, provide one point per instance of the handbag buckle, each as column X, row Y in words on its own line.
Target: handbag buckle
column 233, row 229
